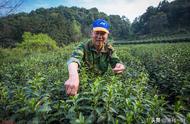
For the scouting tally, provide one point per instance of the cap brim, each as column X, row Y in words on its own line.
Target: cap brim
column 100, row 29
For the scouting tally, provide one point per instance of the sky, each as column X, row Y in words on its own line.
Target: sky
column 128, row 8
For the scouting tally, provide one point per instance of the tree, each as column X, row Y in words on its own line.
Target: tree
column 163, row 6
column 158, row 23
column 75, row 29
column 9, row 6
column 167, row 18
column 136, row 26
column 37, row 42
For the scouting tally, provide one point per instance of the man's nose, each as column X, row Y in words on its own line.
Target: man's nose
column 99, row 36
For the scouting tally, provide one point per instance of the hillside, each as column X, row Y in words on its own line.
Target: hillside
column 71, row 24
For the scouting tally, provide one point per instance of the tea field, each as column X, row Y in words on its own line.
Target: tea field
column 153, row 89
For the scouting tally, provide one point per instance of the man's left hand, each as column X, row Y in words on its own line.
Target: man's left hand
column 119, row 68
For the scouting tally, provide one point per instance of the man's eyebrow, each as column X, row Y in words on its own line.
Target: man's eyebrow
column 102, row 32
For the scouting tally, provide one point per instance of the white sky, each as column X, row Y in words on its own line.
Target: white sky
column 128, row 8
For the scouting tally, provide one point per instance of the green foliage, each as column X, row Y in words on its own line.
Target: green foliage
column 158, row 39
column 37, row 42
column 168, row 68
column 32, row 89
column 63, row 24
column 75, row 29
column 120, row 27
column 166, row 18
column 71, row 24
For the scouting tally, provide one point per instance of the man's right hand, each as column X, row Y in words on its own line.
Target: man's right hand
column 71, row 86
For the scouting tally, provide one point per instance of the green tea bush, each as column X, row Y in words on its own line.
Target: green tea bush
column 169, row 69
column 13, row 55
column 32, row 91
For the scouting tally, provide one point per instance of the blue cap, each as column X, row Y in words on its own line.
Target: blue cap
column 101, row 25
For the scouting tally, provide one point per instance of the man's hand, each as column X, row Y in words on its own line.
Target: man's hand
column 71, row 86
column 119, row 68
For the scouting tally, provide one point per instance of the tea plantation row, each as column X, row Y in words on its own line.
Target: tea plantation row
column 32, row 87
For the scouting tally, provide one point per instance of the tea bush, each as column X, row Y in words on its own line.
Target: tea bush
column 169, row 69
column 32, row 91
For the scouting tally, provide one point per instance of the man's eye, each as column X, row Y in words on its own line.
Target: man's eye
column 100, row 33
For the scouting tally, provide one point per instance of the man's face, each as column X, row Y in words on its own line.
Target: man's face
column 99, row 38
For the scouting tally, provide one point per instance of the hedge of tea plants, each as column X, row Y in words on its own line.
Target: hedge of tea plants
column 168, row 66
column 32, row 91
column 178, row 38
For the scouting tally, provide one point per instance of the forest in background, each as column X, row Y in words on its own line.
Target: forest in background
column 153, row 89
column 71, row 24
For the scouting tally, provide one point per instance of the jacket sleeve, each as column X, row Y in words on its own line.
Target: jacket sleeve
column 77, row 55
column 114, row 59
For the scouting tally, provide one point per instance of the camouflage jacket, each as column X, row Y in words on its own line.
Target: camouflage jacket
column 86, row 55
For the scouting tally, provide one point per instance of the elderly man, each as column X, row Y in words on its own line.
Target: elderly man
column 96, row 55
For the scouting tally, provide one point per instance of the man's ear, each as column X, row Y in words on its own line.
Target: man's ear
column 91, row 33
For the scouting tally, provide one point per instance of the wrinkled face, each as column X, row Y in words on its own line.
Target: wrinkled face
column 99, row 38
